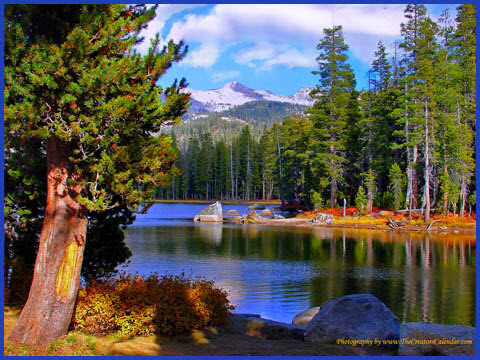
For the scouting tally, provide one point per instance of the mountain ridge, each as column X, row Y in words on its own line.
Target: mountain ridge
column 234, row 94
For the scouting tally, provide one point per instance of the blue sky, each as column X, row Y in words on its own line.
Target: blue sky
column 272, row 47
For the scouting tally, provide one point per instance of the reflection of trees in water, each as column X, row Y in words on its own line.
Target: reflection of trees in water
column 417, row 275
column 426, row 277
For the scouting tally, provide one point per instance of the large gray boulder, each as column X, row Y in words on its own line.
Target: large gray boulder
column 354, row 317
column 303, row 318
column 420, row 338
column 212, row 213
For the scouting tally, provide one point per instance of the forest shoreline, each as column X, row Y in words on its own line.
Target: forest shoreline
column 440, row 225
column 305, row 222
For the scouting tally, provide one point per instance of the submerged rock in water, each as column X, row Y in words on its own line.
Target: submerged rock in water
column 212, row 213
column 303, row 318
column 354, row 317
column 257, row 207
column 232, row 212
column 420, row 338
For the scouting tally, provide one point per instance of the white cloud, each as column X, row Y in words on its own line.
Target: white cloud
column 220, row 77
column 276, row 30
column 164, row 11
column 205, row 56
column 261, row 51
column 291, row 58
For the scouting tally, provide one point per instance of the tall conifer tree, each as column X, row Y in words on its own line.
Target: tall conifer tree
column 94, row 103
column 330, row 112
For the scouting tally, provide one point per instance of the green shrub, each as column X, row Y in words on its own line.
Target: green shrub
column 132, row 305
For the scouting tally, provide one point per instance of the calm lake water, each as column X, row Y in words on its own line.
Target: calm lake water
column 280, row 271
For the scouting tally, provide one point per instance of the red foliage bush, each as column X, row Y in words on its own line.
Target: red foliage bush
column 339, row 211
column 133, row 305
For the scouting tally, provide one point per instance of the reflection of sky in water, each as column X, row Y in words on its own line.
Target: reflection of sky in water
column 278, row 272
column 158, row 213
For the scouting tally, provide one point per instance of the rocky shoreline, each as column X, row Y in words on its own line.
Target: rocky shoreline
column 213, row 213
column 361, row 320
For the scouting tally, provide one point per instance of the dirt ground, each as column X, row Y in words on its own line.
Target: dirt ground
column 208, row 342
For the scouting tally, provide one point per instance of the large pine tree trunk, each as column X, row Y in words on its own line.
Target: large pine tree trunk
column 333, row 193
column 48, row 311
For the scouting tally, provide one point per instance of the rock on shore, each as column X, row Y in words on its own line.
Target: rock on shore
column 254, row 325
column 212, row 213
column 354, row 317
column 257, row 207
column 303, row 318
column 363, row 316
column 420, row 338
column 266, row 213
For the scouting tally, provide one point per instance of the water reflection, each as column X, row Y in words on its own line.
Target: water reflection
column 278, row 272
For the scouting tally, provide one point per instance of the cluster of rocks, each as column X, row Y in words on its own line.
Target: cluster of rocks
column 213, row 213
column 362, row 320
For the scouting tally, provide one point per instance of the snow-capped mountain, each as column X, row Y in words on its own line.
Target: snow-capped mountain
column 234, row 94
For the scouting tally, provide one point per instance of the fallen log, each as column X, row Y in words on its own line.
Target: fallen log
column 395, row 224
column 430, row 225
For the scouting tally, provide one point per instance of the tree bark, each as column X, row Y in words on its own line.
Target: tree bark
column 333, row 193
column 415, row 178
column 48, row 311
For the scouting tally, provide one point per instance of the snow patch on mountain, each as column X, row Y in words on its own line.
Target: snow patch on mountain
column 234, row 94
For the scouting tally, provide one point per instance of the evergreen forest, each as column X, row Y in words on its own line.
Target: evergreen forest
column 406, row 142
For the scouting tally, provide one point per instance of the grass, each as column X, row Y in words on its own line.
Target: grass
column 73, row 344
column 417, row 221
column 362, row 220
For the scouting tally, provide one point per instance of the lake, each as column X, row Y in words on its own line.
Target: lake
column 279, row 271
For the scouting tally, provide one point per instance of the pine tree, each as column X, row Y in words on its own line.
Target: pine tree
column 381, row 68
column 446, row 92
column 294, row 134
column 413, row 118
column 426, row 57
column 361, row 200
column 370, row 183
column 465, row 57
column 330, row 111
column 397, row 183
column 94, row 103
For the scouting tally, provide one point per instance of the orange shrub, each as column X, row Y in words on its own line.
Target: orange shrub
column 133, row 305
